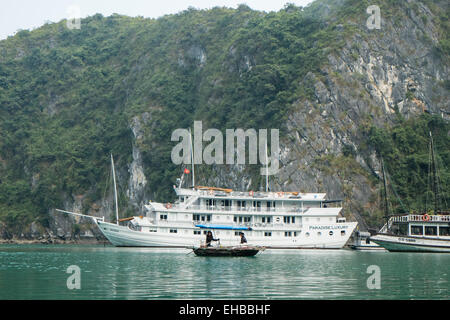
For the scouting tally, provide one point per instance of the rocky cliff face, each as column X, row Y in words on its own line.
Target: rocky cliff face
column 376, row 74
column 370, row 78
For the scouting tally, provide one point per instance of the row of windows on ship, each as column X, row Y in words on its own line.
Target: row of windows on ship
column 246, row 219
column 266, row 233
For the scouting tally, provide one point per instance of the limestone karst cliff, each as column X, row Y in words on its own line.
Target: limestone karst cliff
column 328, row 82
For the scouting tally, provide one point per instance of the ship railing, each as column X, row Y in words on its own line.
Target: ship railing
column 253, row 225
column 414, row 218
column 421, row 218
column 428, row 218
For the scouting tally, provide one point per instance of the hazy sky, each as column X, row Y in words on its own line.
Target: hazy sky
column 29, row 14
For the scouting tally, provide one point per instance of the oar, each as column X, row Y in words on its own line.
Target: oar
column 191, row 251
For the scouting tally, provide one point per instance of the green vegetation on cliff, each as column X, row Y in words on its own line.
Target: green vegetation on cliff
column 405, row 148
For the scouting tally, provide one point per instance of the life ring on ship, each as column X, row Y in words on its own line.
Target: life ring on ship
column 251, row 193
column 168, row 205
column 211, row 192
column 426, row 217
column 280, row 194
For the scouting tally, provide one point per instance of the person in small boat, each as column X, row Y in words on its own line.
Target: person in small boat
column 209, row 238
column 243, row 239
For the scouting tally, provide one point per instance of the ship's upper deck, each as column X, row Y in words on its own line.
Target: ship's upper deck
column 222, row 193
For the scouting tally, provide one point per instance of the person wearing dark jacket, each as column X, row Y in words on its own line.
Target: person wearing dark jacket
column 243, row 240
column 209, row 238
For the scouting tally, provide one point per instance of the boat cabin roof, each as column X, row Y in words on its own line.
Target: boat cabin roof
column 212, row 192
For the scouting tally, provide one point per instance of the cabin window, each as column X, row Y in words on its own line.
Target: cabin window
column 225, row 204
column 198, row 217
column 267, row 234
column 319, row 233
column 330, row 233
column 240, row 205
column 197, row 232
column 210, row 203
column 431, row 231
column 288, row 234
column 343, row 233
column 257, row 205
column 307, row 234
column 241, row 219
column 295, row 233
column 266, row 219
column 288, row 219
column 237, row 233
column 270, row 205
column 173, row 230
column 163, row 217
column 444, row 231
column 417, row 230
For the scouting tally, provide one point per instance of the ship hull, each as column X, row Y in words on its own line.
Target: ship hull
column 411, row 244
column 368, row 248
column 122, row 236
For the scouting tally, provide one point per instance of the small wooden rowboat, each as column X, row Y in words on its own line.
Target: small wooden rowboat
column 227, row 251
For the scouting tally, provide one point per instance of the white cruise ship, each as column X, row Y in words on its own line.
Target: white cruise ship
column 272, row 219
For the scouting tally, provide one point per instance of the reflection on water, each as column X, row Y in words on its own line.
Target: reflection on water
column 39, row 272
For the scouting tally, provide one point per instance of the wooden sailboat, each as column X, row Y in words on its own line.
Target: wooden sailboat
column 415, row 232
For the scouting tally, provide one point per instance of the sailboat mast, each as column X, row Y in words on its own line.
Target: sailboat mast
column 433, row 164
column 115, row 190
column 386, row 209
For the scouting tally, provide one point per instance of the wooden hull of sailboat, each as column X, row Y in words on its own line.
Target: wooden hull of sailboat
column 239, row 251
column 411, row 244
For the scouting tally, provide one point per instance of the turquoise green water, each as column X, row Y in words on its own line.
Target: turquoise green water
column 39, row 272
